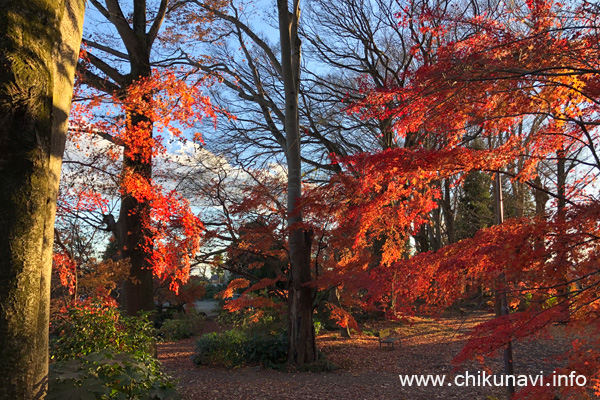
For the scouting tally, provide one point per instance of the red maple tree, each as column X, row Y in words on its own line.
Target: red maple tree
column 534, row 64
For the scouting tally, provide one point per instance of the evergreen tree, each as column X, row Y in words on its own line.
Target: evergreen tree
column 475, row 209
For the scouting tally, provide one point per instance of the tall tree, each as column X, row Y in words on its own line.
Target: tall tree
column 269, row 88
column 301, row 335
column 475, row 205
column 249, row 68
column 132, row 238
column 39, row 46
column 148, row 102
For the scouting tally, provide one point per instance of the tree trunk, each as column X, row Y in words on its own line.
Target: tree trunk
column 519, row 191
column 448, row 212
column 136, row 245
column 501, row 302
column 301, row 334
column 561, row 186
column 541, row 198
column 334, row 298
column 39, row 46
column 136, row 242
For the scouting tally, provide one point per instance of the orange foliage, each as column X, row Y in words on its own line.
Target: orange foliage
column 102, row 277
column 194, row 289
column 239, row 283
column 135, row 121
column 342, row 317
column 67, row 270
column 542, row 61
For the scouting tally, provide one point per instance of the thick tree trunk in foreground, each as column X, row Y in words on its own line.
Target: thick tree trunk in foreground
column 301, row 334
column 39, row 46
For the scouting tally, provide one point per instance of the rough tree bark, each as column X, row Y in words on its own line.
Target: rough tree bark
column 39, row 46
column 301, row 335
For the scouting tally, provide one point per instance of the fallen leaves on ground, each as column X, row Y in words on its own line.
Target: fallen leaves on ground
column 428, row 347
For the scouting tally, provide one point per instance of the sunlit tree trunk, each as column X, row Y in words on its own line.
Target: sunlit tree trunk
column 39, row 46
column 135, row 245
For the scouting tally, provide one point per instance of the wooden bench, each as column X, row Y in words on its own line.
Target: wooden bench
column 388, row 336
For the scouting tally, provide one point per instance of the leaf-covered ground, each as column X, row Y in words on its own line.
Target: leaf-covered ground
column 367, row 372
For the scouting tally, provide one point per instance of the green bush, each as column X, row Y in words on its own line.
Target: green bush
column 106, row 375
column 182, row 326
column 96, row 327
column 98, row 353
column 371, row 332
column 267, row 350
column 221, row 349
column 175, row 329
column 235, row 348
column 270, row 322
column 267, row 320
column 162, row 316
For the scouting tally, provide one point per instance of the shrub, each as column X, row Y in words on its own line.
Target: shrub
column 94, row 326
column 100, row 354
column 254, row 322
column 235, row 348
column 182, row 326
column 268, row 321
column 371, row 332
column 175, row 329
column 106, row 375
column 221, row 349
column 164, row 314
column 267, row 350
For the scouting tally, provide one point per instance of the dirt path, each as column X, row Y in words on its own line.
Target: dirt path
column 367, row 372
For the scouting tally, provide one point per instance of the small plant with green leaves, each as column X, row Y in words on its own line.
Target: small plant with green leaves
column 97, row 353
column 268, row 350
column 106, row 375
column 370, row 332
column 96, row 326
column 318, row 327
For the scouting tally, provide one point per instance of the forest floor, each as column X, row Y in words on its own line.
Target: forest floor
column 428, row 347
